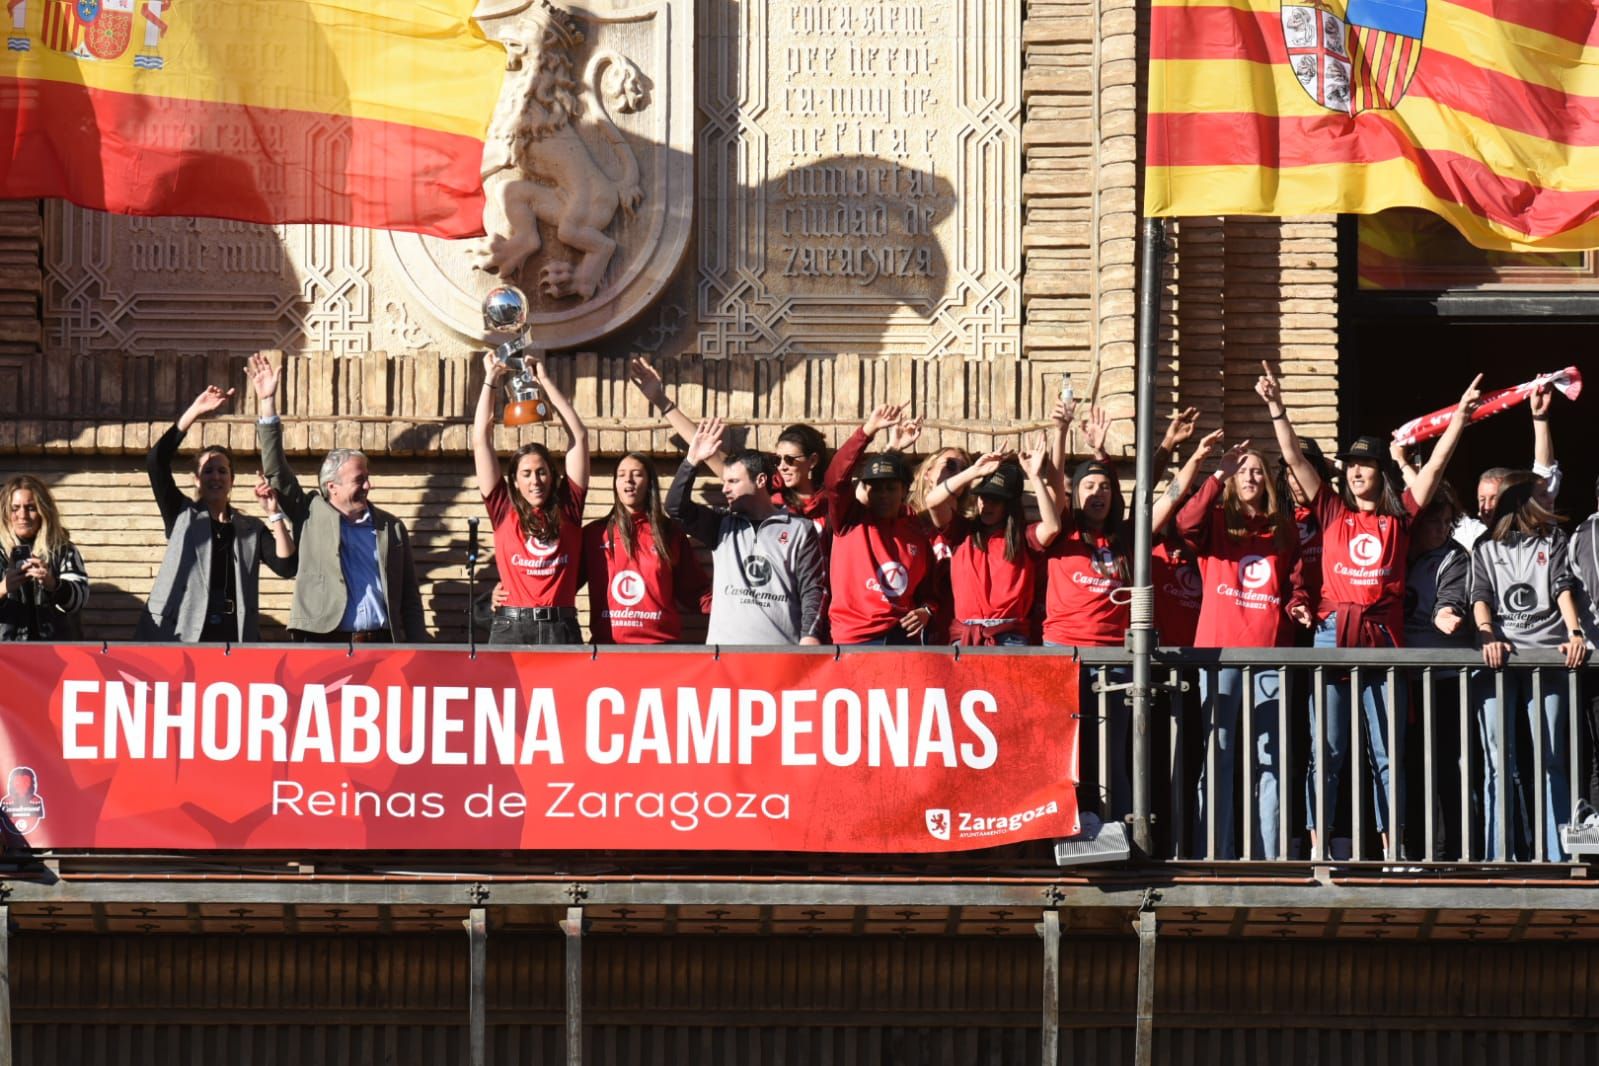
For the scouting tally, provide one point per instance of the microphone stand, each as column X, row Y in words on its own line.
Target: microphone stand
column 471, row 586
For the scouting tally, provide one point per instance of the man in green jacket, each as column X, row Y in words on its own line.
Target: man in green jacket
column 357, row 579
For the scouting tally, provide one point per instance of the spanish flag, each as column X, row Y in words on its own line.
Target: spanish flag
column 361, row 112
column 1485, row 112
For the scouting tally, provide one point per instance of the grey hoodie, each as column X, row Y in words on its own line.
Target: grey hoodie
column 1520, row 579
column 767, row 587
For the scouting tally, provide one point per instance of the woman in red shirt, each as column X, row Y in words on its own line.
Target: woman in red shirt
column 1248, row 549
column 1365, row 537
column 537, row 515
column 640, row 568
column 992, row 568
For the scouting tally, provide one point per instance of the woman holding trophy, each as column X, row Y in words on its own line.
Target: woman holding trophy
column 537, row 509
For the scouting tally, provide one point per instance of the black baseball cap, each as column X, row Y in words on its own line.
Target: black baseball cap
column 1365, row 450
column 1004, row 483
column 885, row 467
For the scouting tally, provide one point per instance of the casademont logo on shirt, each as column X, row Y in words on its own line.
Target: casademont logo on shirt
column 541, row 555
column 757, row 569
column 1255, row 572
column 892, row 580
column 1365, row 552
column 627, row 587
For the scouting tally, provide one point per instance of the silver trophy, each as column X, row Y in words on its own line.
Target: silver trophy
column 505, row 311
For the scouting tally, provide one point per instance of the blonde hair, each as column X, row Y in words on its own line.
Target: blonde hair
column 919, row 489
column 1233, row 511
column 53, row 537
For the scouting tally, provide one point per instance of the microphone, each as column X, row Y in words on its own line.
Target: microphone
column 471, row 542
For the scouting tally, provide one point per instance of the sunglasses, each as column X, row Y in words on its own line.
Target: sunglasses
column 789, row 460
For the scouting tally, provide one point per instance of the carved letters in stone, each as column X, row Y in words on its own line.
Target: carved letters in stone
column 862, row 159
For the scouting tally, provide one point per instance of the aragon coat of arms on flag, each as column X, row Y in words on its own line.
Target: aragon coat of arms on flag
column 1362, row 59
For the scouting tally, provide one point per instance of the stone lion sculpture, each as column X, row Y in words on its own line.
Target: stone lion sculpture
column 537, row 163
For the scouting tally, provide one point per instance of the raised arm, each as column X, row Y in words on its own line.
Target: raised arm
column 1060, row 417
column 1182, row 424
column 841, row 468
column 1269, row 389
column 264, row 377
column 1544, row 463
column 1035, row 464
column 1184, row 479
column 1096, row 427
column 158, row 461
column 951, row 487
column 282, row 560
column 648, row 381
column 485, row 463
column 577, row 434
column 700, row 522
column 1431, row 475
column 1405, row 460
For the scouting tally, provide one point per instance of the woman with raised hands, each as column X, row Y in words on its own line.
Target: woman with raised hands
column 208, row 587
column 537, row 513
column 993, row 568
column 1248, row 550
column 1365, row 538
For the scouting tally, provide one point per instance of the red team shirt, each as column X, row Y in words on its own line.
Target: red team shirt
column 1363, row 562
column 1249, row 581
column 986, row 585
column 637, row 600
column 876, row 575
column 537, row 573
column 939, row 595
column 1083, row 572
column 1178, row 595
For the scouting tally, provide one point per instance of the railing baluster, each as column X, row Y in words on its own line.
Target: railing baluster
column 1210, row 766
column 1496, row 715
column 1244, row 743
column 1107, row 773
column 1355, row 763
column 1395, row 745
column 1318, row 740
column 1463, row 712
column 1285, row 759
column 1574, row 712
column 1539, row 789
column 1429, row 748
column 1174, row 764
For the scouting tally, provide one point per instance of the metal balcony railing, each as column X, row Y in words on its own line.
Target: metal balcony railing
column 1414, row 755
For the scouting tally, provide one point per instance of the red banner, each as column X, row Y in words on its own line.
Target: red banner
column 168, row 747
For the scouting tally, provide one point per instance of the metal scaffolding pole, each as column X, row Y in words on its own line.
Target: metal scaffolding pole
column 1141, row 633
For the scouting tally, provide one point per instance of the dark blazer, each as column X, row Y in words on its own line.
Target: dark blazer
column 176, row 609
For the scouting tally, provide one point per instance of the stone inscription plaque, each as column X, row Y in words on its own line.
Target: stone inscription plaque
column 860, row 178
column 856, row 188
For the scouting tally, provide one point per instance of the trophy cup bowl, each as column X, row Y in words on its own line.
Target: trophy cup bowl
column 505, row 310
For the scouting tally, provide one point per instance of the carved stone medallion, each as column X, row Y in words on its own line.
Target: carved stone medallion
column 587, row 173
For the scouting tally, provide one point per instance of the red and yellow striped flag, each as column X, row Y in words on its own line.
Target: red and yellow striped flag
column 362, row 112
column 1483, row 111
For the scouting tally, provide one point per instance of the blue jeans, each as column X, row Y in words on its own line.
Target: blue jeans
column 1374, row 704
column 1494, row 726
column 1223, row 692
